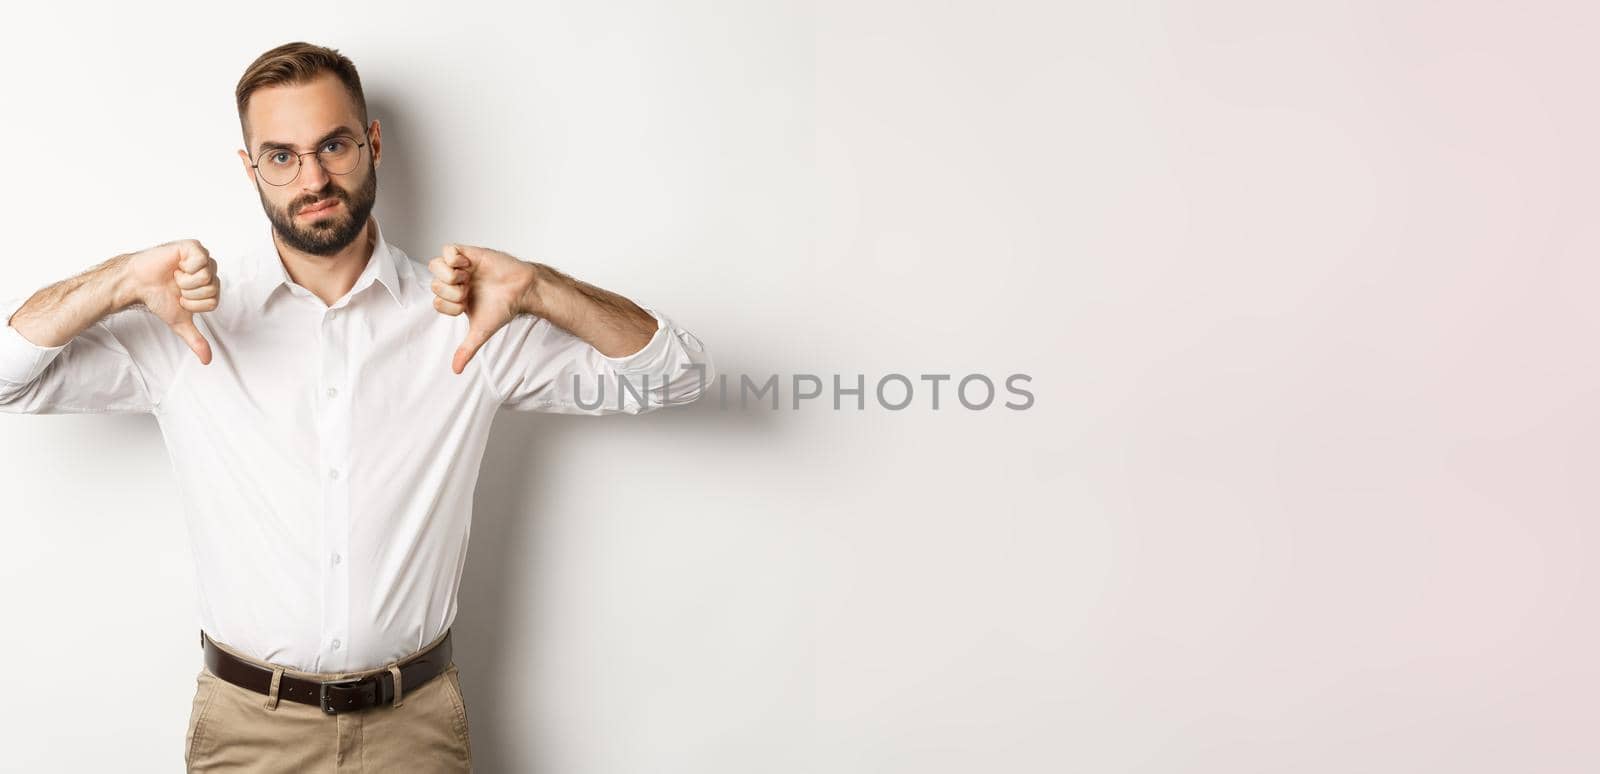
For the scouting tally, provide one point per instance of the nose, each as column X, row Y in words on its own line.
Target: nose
column 312, row 176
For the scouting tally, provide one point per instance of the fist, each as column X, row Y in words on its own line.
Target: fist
column 174, row 281
column 486, row 285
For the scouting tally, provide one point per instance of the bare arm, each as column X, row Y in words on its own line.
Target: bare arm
column 174, row 280
column 563, row 333
column 56, row 314
column 609, row 322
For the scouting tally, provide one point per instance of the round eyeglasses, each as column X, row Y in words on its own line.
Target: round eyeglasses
column 280, row 166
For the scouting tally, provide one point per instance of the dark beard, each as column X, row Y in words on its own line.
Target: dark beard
column 325, row 236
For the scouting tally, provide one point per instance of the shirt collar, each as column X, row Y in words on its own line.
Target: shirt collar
column 382, row 267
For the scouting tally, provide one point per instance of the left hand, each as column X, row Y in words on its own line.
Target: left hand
column 488, row 285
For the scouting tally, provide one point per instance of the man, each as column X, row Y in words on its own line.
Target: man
column 326, row 413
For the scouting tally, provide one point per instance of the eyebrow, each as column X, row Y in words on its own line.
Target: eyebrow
column 266, row 146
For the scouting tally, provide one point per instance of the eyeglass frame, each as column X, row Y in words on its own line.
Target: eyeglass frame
column 299, row 159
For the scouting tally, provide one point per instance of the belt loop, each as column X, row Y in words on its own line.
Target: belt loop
column 394, row 669
column 272, row 695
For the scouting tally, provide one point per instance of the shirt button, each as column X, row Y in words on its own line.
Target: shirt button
column 332, row 391
column 335, row 558
column 333, row 472
column 336, row 644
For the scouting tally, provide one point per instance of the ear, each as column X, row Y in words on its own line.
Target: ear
column 375, row 132
column 249, row 173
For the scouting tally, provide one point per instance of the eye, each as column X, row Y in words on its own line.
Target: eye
column 333, row 146
column 278, row 158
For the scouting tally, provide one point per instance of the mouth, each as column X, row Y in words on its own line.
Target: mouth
column 320, row 208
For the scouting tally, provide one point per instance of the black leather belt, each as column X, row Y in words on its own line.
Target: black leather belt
column 333, row 696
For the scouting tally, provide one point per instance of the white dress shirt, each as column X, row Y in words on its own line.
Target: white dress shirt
column 327, row 456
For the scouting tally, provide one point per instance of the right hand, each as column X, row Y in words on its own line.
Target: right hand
column 176, row 280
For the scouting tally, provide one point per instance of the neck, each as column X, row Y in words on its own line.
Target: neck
column 329, row 277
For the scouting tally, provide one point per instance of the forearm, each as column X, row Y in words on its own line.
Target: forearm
column 610, row 323
column 56, row 314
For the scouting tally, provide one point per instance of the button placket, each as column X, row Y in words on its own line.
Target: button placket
column 334, row 423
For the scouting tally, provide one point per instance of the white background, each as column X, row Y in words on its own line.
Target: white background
column 1305, row 292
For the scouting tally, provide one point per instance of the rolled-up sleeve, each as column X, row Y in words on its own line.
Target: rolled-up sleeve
column 21, row 361
column 92, row 373
column 535, row 365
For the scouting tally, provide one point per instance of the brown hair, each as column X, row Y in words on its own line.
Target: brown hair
column 296, row 63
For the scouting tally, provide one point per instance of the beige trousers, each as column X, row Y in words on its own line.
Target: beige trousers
column 239, row 731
